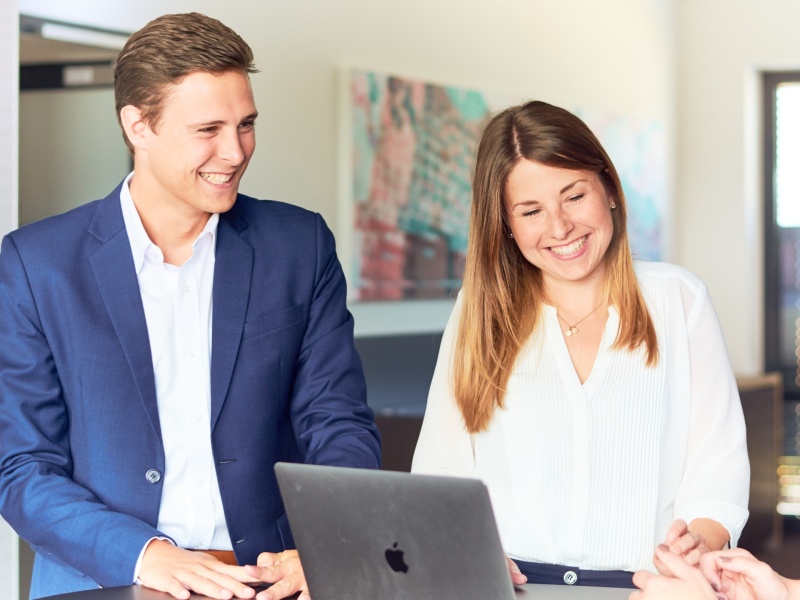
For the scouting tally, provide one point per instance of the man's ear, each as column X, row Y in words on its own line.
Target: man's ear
column 132, row 123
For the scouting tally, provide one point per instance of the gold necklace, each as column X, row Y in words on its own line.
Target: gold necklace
column 573, row 329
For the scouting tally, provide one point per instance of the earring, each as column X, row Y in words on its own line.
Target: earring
column 612, row 205
column 511, row 235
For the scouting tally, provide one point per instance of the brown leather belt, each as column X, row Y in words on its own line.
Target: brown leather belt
column 226, row 556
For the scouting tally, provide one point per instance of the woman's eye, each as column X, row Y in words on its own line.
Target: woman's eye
column 575, row 198
column 531, row 213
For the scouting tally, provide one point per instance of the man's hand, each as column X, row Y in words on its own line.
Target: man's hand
column 284, row 571
column 178, row 572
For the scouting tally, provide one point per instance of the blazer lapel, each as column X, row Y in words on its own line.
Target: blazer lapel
column 232, row 275
column 115, row 273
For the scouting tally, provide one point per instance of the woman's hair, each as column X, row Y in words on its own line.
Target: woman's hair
column 168, row 49
column 502, row 292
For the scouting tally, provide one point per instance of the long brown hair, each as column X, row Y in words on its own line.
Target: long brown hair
column 502, row 292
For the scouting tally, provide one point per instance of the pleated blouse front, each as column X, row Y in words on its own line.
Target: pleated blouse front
column 593, row 474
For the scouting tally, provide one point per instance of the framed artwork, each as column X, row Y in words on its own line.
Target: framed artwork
column 408, row 163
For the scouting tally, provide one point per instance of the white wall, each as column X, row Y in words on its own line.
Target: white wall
column 609, row 57
column 53, row 124
column 722, row 46
column 9, row 84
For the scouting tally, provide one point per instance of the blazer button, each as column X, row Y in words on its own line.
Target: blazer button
column 153, row 476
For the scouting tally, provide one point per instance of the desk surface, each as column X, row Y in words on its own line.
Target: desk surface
column 537, row 592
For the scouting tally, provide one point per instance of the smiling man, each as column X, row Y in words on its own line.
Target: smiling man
column 162, row 348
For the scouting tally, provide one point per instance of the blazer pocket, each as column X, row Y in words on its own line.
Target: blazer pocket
column 273, row 322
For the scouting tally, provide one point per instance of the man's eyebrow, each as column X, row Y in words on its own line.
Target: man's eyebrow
column 216, row 122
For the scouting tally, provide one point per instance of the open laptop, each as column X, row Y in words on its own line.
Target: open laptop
column 382, row 534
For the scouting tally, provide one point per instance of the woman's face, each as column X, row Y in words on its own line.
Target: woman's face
column 560, row 220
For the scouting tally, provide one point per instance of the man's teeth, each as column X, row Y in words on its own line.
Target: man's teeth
column 569, row 248
column 216, row 177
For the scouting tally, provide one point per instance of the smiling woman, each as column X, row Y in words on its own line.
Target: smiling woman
column 591, row 393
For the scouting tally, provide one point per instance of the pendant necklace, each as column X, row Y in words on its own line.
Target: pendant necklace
column 573, row 329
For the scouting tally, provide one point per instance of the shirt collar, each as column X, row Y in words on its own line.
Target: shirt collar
column 140, row 241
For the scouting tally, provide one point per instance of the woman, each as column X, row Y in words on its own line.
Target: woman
column 593, row 395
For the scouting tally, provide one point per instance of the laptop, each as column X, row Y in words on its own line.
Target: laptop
column 382, row 534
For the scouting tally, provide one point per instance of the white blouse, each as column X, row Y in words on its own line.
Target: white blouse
column 592, row 475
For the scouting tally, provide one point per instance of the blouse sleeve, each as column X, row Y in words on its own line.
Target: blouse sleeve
column 444, row 446
column 716, row 473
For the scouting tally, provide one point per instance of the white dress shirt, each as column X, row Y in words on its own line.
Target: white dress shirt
column 592, row 475
column 178, row 309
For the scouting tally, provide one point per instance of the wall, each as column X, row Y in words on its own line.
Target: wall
column 722, row 45
column 52, row 124
column 570, row 52
column 9, row 83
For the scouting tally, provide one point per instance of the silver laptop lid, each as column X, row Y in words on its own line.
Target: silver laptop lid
column 382, row 534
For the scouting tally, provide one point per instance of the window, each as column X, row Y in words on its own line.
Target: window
column 782, row 228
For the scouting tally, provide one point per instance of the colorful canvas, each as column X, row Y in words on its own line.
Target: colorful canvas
column 413, row 145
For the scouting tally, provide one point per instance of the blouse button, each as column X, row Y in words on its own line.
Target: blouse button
column 570, row 578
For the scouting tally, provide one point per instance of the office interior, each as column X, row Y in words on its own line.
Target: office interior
column 694, row 67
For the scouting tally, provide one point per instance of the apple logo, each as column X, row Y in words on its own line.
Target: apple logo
column 394, row 557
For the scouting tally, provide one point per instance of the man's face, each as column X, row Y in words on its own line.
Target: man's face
column 194, row 157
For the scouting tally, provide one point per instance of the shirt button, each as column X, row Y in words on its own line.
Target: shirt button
column 570, row 578
column 153, row 476
column 200, row 484
column 186, row 289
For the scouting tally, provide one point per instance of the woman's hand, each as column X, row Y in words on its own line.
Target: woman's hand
column 517, row 578
column 685, row 543
column 686, row 581
column 740, row 576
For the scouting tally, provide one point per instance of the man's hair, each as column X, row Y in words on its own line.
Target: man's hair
column 168, row 49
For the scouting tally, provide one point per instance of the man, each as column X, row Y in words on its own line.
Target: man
column 162, row 348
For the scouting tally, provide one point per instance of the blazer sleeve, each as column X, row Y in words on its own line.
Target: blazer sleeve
column 38, row 496
column 333, row 423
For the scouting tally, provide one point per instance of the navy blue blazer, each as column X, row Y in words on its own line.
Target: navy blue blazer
column 79, row 427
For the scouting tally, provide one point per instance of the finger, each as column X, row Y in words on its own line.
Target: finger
column 215, row 584
column 281, row 589
column 640, row 578
column 176, row 590
column 517, row 577
column 674, row 563
column 264, row 573
column 685, row 543
column 676, row 530
column 692, row 557
column 266, row 559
